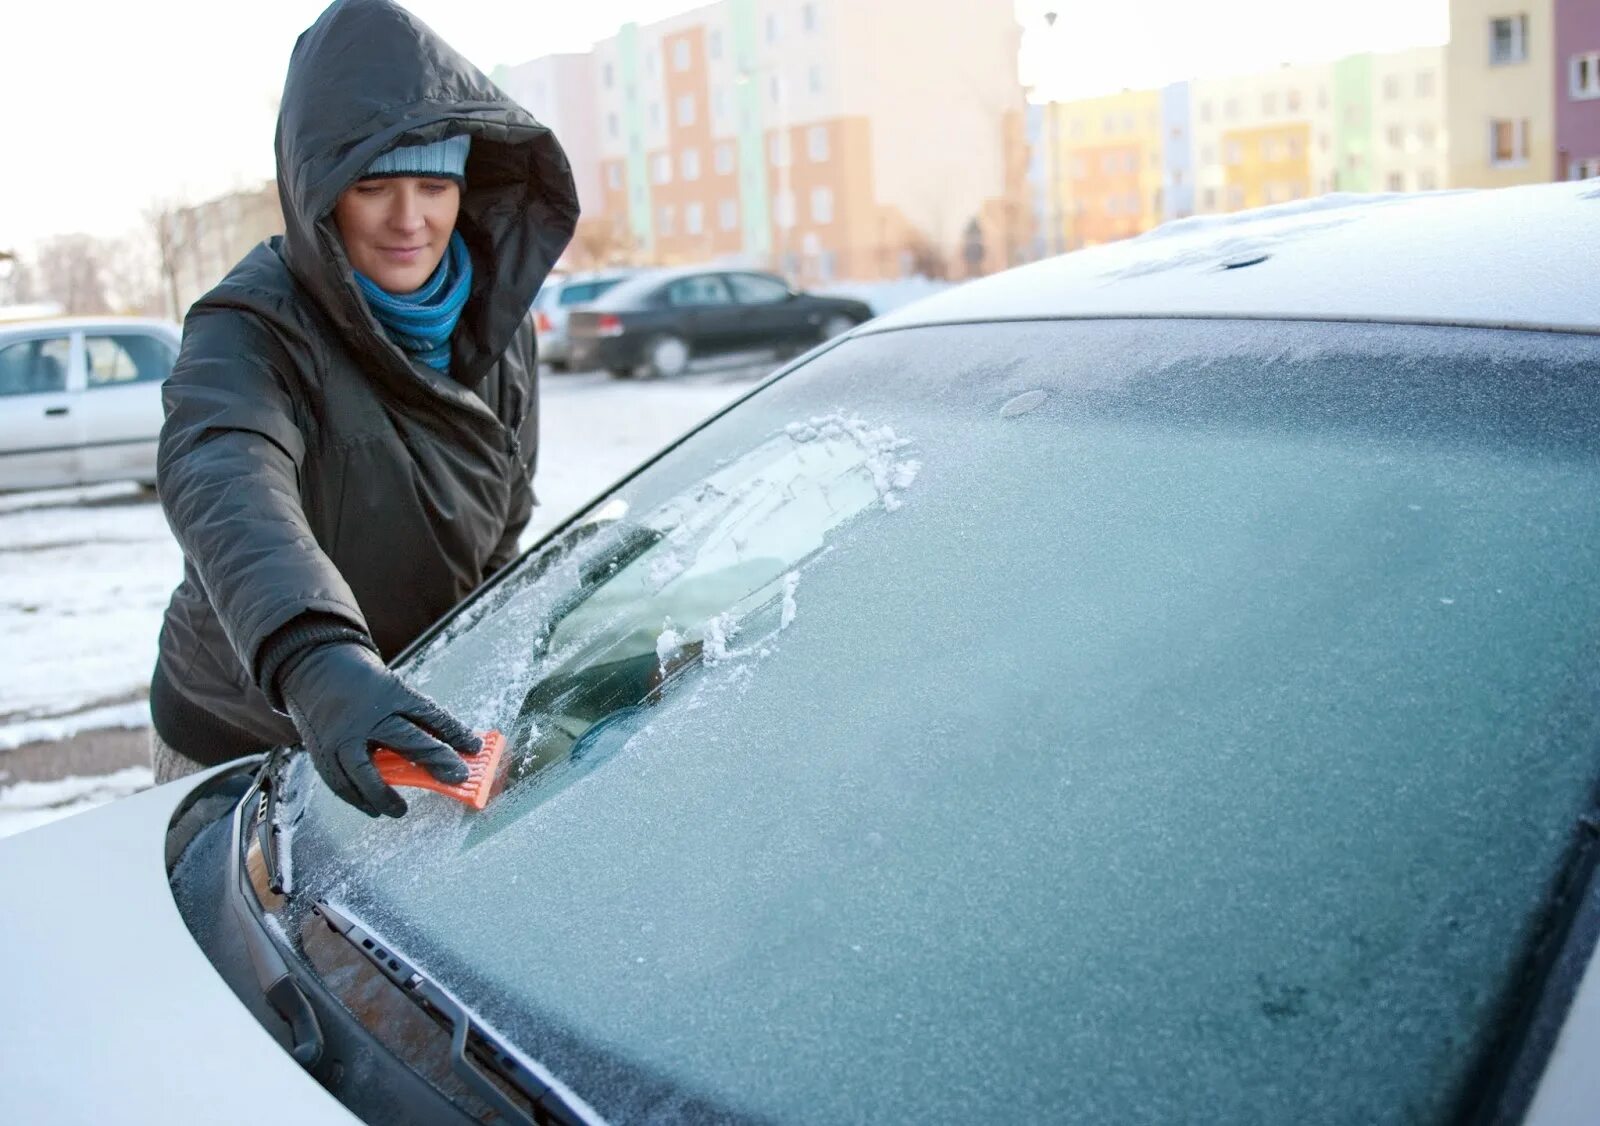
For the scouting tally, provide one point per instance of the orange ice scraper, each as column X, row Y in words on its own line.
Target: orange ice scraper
column 484, row 773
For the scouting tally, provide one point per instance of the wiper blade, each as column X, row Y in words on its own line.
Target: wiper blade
column 272, row 972
column 550, row 1101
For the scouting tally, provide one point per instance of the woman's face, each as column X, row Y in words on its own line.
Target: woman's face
column 396, row 228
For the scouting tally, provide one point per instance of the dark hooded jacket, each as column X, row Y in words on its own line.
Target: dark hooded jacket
column 311, row 471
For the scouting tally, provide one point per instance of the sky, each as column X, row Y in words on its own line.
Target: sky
column 107, row 107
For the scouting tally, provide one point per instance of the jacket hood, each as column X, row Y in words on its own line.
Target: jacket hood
column 368, row 76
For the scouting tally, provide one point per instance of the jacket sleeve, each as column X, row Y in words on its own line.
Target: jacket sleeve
column 523, row 499
column 228, row 472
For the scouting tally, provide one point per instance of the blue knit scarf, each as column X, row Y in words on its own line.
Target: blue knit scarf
column 421, row 322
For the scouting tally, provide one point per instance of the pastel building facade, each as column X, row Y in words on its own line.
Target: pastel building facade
column 1502, row 85
column 826, row 138
column 1577, row 89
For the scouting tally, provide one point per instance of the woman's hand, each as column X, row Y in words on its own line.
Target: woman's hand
column 346, row 704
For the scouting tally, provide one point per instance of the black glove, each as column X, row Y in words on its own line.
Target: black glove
column 346, row 703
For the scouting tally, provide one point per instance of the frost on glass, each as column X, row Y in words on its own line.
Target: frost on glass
column 1200, row 744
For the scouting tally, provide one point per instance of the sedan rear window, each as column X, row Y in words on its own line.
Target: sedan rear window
column 1035, row 722
column 579, row 292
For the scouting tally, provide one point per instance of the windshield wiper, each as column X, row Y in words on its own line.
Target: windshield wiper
column 549, row 1100
column 279, row 987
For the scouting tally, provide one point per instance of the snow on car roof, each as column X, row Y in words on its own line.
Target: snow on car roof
column 1510, row 258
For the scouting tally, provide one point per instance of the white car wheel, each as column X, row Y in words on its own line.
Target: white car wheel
column 836, row 325
column 666, row 357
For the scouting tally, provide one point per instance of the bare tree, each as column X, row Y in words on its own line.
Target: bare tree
column 162, row 218
column 133, row 277
column 16, row 280
column 72, row 272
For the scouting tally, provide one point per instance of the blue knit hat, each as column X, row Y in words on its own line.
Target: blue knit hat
column 442, row 158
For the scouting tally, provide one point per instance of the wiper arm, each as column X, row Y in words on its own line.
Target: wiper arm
column 550, row 1101
column 272, row 972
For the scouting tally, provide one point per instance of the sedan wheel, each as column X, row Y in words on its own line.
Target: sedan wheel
column 836, row 325
column 665, row 357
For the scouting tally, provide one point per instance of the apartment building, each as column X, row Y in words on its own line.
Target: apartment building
column 1502, row 92
column 790, row 133
column 1409, row 149
column 1577, row 93
column 560, row 91
column 1106, row 166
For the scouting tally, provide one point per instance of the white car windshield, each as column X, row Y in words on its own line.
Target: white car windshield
column 1065, row 721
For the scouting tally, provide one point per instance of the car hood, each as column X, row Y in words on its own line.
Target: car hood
column 113, row 1012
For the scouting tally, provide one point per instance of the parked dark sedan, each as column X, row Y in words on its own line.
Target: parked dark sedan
column 653, row 325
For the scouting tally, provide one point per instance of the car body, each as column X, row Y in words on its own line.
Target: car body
column 80, row 399
column 1156, row 684
column 655, row 324
column 559, row 296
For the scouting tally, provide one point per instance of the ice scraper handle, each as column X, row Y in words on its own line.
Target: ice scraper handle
column 346, row 703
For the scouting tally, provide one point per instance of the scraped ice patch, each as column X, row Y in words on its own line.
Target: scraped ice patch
column 668, row 644
column 53, row 728
column 891, row 473
column 28, row 805
column 664, row 568
column 791, row 583
column 719, row 632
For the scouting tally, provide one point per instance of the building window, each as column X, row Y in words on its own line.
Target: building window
column 1322, row 97
column 1508, row 40
column 650, row 64
column 1130, row 162
column 719, row 104
column 606, row 76
column 1269, row 104
column 1077, row 128
column 655, row 115
column 724, row 158
column 664, row 225
column 685, row 109
column 1208, row 155
column 1177, row 132
column 614, row 177
column 814, row 79
column 1235, row 197
column 1294, row 147
column 1230, row 153
column 1426, row 181
column 694, row 219
column 817, row 143
column 1323, row 143
column 1132, row 204
column 1391, row 87
column 774, row 89
column 1076, row 168
column 680, row 55
column 689, row 162
column 1269, row 150
column 1397, row 137
column 1177, row 177
column 1397, row 182
column 611, row 125
column 778, row 149
column 1294, row 101
column 1205, row 111
column 1208, row 200
column 1585, row 76
column 1113, row 203
column 1108, row 124
column 661, row 168
column 1425, row 82
column 783, row 210
column 772, row 27
column 1508, row 142
column 1127, row 123
column 822, row 205
column 728, row 214
column 1586, row 169
column 1425, row 136
column 714, row 44
column 808, row 17
column 1108, row 164
column 1230, row 109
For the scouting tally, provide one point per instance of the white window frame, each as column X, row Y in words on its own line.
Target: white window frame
column 783, row 210
column 1580, row 90
column 666, row 220
column 774, row 28
column 714, row 44
column 814, row 78
column 1518, row 41
column 779, row 150
column 724, row 158
column 689, row 164
column 1519, row 142
column 808, row 16
column 685, row 109
column 728, row 215
column 694, row 219
column 822, row 204
column 817, row 144
column 614, row 177
column 680, row 55
column 661, row 168
column 613, row 126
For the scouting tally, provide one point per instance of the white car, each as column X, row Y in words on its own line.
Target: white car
column 80, row 400
column 1160, row 684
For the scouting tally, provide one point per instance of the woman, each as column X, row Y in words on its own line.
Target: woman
column 352, row 422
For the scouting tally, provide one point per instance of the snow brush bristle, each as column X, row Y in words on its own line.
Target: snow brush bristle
column 485, row 775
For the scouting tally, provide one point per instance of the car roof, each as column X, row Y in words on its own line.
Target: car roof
column 1508, row 258
column 75, row 324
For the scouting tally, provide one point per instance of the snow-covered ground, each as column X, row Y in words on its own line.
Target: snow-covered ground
column 87, row 573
